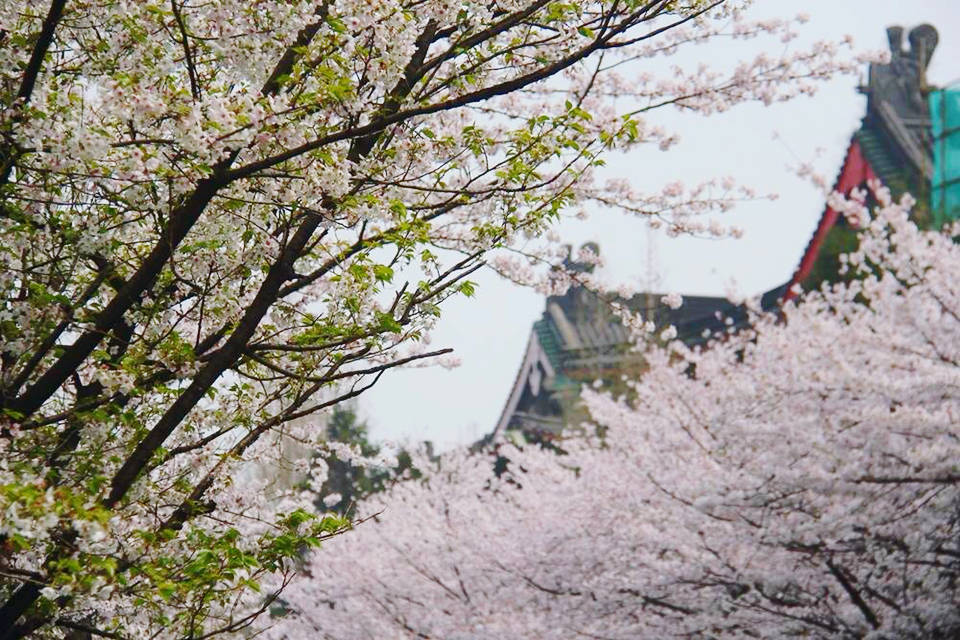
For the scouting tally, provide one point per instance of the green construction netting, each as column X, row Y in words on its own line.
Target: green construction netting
column 945, row 186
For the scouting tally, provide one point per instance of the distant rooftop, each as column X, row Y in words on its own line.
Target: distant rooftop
column 579, row 339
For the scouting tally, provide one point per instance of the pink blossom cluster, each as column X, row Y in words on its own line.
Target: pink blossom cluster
column 798, row 478
column 220, row 219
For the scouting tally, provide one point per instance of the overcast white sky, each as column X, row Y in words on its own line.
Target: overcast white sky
column 489, row 331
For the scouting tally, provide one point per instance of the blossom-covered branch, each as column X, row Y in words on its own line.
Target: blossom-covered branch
column 795, row 479
column 219, row 219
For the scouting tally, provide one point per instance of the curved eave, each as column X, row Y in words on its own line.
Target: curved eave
column 534, row 354
column 855, row 171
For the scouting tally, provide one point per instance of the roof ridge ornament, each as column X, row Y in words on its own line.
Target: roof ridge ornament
column 923, row 41
column 895, row 39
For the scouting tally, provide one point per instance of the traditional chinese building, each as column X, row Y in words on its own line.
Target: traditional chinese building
column 579, row 339
column 909, row 139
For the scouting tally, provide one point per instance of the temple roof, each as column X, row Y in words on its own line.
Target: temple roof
column 893, row 144
column 581, row 324
column 897, row 109
column 579, row 339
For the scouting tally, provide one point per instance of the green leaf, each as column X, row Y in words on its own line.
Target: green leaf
column 336, row 24
column 387, row 323
column 382, row 273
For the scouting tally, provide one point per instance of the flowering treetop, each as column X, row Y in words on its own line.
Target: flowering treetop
column 796, row 479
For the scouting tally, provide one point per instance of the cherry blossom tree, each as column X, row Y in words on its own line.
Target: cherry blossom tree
column 219, row 219
column 797, row 479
